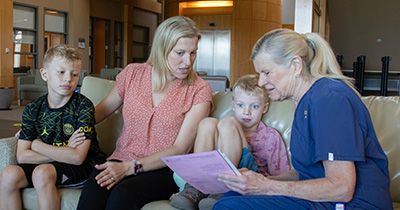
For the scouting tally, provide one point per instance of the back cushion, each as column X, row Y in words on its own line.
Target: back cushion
column 109, row 129
column 385, row 114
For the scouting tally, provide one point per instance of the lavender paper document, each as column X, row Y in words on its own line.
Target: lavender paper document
column 201, row 169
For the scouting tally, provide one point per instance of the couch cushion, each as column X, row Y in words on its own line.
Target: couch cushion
column 108, row 130
column 69, row 198
column 8, row 149
column 385, row 114
column 158, row 205
column 96, row 88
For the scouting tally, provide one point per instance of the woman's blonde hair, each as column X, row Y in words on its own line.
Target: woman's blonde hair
column 318, row 58
column 62, row 51
column 248, row 84
column 166, row 36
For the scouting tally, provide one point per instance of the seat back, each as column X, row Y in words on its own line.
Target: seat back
column 217, row 83
column 96, row 89
column 38, row 78
column 109, row 73
column 385, row 115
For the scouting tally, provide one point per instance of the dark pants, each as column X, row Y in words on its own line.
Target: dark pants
column 133, row 192
column 235, row 201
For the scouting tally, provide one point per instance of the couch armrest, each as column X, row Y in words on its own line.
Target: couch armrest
column 8, row 149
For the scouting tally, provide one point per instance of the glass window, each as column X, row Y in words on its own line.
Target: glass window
column 24, row 38
column 55, row 28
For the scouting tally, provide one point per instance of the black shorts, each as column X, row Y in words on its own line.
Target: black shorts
column 67, row 175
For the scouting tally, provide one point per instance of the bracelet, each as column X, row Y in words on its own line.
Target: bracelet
column 138, row 167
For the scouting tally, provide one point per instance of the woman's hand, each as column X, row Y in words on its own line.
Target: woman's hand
column 113, row 172
column 76, row 139
column 250, row 183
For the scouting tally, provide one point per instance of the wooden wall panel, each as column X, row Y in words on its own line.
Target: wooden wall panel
column 171, row 8
column 242, row 10
column 289, row 26
column 99, row 54
column 274, row 13
column 6, row 41
column 252, row 19
column 223, row 22
column 207, row 11
column 259, row 11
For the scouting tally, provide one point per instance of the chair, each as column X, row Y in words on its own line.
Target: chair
column 358, row 72
column 384, row 77
column 109, row 74
column 217, row 83
column 83, row 74
column 30, row 87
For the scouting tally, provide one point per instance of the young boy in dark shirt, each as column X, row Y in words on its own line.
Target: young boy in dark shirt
column 57, row 144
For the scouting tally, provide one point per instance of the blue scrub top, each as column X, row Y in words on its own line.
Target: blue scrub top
column 332, row 123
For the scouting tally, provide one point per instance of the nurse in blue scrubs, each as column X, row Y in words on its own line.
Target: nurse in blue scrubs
column 337, row 160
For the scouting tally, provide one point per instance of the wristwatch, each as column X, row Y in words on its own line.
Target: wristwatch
column 138, row 167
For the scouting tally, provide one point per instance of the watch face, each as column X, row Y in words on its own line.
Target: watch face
column 138, row 168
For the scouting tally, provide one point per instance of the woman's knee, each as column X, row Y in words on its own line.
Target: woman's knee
column 12, row 177
column 44, row 174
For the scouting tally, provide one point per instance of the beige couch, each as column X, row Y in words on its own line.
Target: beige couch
column 385, row 112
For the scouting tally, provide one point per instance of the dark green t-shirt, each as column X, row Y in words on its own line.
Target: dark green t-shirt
column 56, row 126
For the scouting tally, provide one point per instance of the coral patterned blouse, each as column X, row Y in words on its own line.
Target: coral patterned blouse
column 149, row 129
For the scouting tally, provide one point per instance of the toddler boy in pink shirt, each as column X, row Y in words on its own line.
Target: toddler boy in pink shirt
column 249, row 143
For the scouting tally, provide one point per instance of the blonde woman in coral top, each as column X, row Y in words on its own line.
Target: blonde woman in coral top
column 164, row 101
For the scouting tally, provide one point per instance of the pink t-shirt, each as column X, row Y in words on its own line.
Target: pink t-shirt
column 149, row 129
column 269, row 150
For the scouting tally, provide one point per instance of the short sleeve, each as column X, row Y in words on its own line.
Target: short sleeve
column 121, row 80
column 86, row 120
column 28, row 131
column 336, row 133
column 203, row 93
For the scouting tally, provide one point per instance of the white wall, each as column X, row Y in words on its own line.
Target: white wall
column 288, row 11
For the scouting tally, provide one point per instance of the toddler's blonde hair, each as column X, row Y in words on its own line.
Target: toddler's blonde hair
column 249, row 84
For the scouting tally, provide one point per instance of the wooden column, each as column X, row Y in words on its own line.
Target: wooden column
column 128, row 38
column 6, row 43
column 251, row 20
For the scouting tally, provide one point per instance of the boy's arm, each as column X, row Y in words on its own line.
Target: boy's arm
column 73, row 156
column 26, row 155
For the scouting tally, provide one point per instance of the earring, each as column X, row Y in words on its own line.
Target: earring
column 297, row 75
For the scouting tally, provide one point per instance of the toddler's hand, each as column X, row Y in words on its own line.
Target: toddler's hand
column 17, row 133
column 76, row 139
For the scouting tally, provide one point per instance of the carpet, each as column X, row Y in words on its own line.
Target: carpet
column 8, row 128
column 9, row 118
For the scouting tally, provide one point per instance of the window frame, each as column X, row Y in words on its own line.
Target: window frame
column 65, row 33
column 34, row 52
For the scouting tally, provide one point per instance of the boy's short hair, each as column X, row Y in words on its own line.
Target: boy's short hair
column 63, row 51
column 249, row 84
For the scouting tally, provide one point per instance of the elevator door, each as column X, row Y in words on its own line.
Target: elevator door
column 213, row 55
